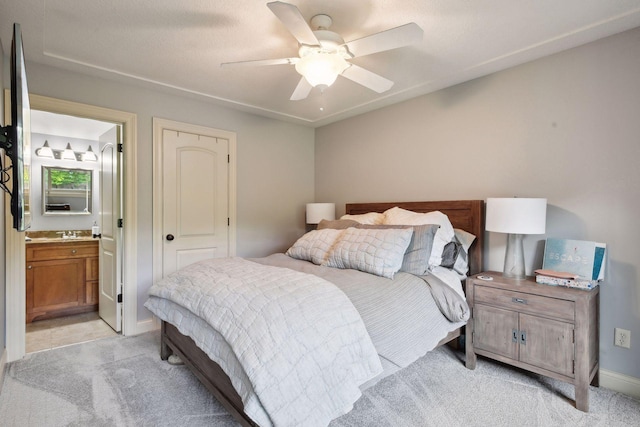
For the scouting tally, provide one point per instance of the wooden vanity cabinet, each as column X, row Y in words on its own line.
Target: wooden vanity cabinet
column 61, row 278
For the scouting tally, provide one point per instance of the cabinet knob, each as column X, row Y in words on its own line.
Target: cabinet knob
column 29, row 267
column 170, row 237
column 73, row 251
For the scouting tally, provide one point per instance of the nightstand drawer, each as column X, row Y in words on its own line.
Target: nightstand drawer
column 526, row 303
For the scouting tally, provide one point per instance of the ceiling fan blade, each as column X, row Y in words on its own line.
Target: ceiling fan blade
column 301, row 91
column 386, row 40
column 291, row 17
column 260, row 62
column 367, row 79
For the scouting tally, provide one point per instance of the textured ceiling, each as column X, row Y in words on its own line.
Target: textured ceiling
column 180, row 45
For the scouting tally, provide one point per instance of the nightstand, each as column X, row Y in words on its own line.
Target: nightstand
column 549, row 330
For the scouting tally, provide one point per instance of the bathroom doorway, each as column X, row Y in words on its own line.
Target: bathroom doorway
column 71, row 198
column 126, row 272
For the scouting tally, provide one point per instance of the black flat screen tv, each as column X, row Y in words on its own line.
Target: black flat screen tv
column 15, row 139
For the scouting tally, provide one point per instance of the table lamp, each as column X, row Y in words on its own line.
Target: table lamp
column 316, row 212
column 517, row 217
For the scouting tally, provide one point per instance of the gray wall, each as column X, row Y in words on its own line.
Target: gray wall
column 565, row 127
column 274, row 162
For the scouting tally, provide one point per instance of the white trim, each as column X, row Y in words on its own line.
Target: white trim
column 15, row 291
column 148, row 325
column 621, row 383
column 15, row 256
column 159, row 125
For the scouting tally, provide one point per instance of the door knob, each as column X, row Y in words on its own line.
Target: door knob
column 170, row 237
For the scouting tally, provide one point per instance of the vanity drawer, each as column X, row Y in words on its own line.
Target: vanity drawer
column 40, row 252
column 526, row 303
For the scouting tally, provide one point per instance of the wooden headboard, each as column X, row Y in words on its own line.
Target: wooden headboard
column 467, row 215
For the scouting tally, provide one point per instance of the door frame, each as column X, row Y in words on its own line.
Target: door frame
column 15, row 242
column 159, row 126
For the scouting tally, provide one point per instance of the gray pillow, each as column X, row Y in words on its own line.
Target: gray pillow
column 377, row 252
column 416, row 257
column 450, row 253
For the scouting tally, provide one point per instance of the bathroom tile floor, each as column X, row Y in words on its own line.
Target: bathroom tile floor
column 53, row 333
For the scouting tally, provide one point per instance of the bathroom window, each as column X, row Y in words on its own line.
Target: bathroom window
column 66, row 191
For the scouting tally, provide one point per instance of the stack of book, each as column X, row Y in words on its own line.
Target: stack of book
column 572, row 263
column 555, row 278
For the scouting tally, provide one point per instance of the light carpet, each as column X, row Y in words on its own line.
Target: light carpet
column 121, row 381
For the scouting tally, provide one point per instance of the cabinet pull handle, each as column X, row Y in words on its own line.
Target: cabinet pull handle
column 519, row 300
column 523, row 337
column 515, row 336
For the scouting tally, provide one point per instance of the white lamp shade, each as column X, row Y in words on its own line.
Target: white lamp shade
column 516, row 215
column 316, row 212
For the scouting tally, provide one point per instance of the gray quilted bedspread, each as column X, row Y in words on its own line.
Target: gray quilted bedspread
column 298, row 338
column 406, row 316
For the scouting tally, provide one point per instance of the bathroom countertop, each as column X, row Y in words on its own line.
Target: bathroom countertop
column 59, row 240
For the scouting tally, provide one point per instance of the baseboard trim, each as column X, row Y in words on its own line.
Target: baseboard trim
column 3, row 363
column 147, row 325
column 621, row 383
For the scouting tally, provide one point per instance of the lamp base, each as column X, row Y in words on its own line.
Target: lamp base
column 514, row 257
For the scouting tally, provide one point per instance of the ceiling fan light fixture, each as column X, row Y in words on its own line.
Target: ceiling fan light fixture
column 321, row 68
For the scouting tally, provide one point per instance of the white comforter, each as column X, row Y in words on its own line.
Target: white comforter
column 260, row 310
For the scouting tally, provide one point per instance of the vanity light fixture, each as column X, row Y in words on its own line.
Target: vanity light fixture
column 45, row 150
column 67, row 153
column 89, row 156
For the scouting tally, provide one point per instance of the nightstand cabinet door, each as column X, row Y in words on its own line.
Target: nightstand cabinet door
column 547, row 344
column 494, row 329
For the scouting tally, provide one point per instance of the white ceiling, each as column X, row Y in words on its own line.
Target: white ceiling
column 67, row 126
column 180, row 45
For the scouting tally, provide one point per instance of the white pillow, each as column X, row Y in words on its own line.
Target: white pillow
column 444, row 235
column 371, row 218
column 376, row 251
column 315, row 245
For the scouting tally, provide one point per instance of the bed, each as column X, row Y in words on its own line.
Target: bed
column 467, row 215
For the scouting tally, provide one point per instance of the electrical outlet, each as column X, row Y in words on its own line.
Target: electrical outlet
column 622, row 338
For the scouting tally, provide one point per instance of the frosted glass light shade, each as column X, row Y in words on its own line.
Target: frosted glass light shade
column 316, row 212
column 89, row 156
column 45, row 150
column 68, row 153
column 321, row 68
column 516, row 215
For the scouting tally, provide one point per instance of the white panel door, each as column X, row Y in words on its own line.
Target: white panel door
column 110, row 285
column 195, row 199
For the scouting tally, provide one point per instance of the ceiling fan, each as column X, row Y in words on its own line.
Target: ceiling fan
column 323, row 54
